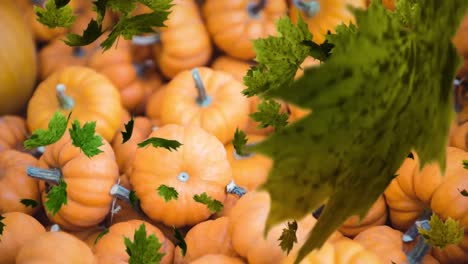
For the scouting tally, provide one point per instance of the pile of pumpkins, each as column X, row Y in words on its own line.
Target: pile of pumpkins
column 185, row 84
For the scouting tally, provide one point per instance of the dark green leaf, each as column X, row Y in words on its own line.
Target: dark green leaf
column 161, row 143
column 143, row 249
column 85, row 138
column 288, row 237
column 239, row 142
column 464, row 192
column 90, row 34
column 269, row 115
column 56, row 128
column 29, row 202
column 54, row 15
column 213, row 205
column 2, row 225
column 180, row 241
column 56, row 197
column 134, row 200
column 168, row 193
column 127, row 134
column 104, row 232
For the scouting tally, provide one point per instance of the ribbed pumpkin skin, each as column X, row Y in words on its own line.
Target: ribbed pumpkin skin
column 210, row 259
column 376, row 216
column 13, row 132
column 18, row 58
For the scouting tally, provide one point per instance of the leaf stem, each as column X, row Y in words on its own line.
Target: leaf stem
column 310, row 8
column 120, row 192
column 49, row 175
column 254, row 9
column 203, row 99
column 66, row 102
column 146, row 40
column 416, row 255
column 233, row 188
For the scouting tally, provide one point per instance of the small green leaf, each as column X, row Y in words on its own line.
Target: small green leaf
column 288, row 237
column 442, row 234
column 104, row 232
column 180, row 241
column 168, row 193
column 269, row 115
column 29, row 202
column 127, row 134
column 320, row 52
column 85, row 138
column 56, row 128
column 464, row 192
column 213, row 205
column 161, row 143
column 134, row 200
column 56, row 197
column 2, row 225
column 239, row 141
column 143, row 249
column 55, row 15
column 92, row 32
column 465, row 164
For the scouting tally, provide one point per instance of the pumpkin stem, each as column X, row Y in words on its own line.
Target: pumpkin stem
column 255, row 8
column 416, row 255
column 309, row 8
column 66, row 102
column 146, row 40
column 202, row 99
column 120, row 192
column 412, row 232
column 234, row 189
column 78, row 52
column 51, row 175
column 55, row 228
column 140, row 68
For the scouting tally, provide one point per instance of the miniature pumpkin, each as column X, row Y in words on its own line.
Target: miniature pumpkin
column 461, row 40
column 89, row 181
column 233, row 24
column 174, row 53
column 199, row 165
column 237, row 68
column 209, row 237
column 18, row 57
column 89, row 235
column 13, row 132
column 377, row 215
column 89, row 95
column 55, row 247
column 322, row 16
column 153, row 106
column 206, row 98
column 111, row 248
column 250, row 171
column 19, row 229
column 15, row 184
column 229, row 203
column 217, row 258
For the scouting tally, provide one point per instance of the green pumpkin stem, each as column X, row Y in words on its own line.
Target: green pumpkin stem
column 233, row 188
column 203, row 99
column 66, row 102
column 310, row 8
column 48, row 175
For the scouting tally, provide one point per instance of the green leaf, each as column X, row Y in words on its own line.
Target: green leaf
column 441, row 234
column 55, row 15
column 143, row 249
column 124, row 7
column 168, row 193
column 56, row 128
column 103, row 233
column 213, row 205
column 464, row 192
column 239, row 141
column 161, row 143
column 465, row 164
column 2, row 225
column 85, row 138
column 127, row 134
column 269, row 115
column 288, row 237
column 180, row 241
column 29, row 202
column 134, row 200
column 92, row 32
column 56, row 197
column 365, row 98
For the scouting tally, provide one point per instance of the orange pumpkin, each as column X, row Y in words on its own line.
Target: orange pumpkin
column 199, row 165
column 110, row 249
column 233, row 24
column 377, row 215
column 413, row 191
column 89, row 181
column 206, row 98
column 18, row 58
column 322, row 16
column 217, row 258
column 13, row 132
column 153, row 106
column 229, row 203
column 55, row 247
column 206, row 238
column 237, row 68
column 461, row 40
column 15, row 183
column 89, row 235
column 89, row 95
column 174, row 53
column 19, row 229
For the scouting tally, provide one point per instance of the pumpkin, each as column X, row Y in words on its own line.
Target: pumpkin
column 377, row 215
column 206, row 98
column 237, row 68
column 55, row 247
column 390, row 4
column 15, row 183
column 89, row 235
column 13, row 132
column 174, row 53
column 209, row 237
column 247, row 224
column 229, row 203
column 199, row 165
column 322, row 16
column 111, row 248
column 413, row 191
column 19, row 229
column 341, row 252
column 153, row 106
column 249, row 171
column 233, row 24
column 217, row 258
column 88, row 95
column 124, row 152
column 461, row 40
column 18, row 57
column 89, row 181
